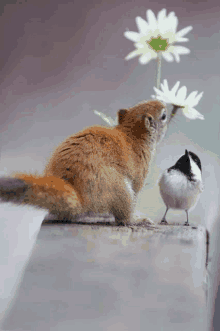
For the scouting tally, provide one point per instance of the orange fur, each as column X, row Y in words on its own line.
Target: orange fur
column 50, row 193
column 100, row 169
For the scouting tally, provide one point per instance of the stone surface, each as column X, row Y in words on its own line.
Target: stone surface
column 93, row 277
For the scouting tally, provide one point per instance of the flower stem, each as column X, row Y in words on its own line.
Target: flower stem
column 158, row 77
column 174, row 111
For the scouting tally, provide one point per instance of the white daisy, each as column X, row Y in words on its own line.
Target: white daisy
column 110, row 121
column 157, row 35
column 179, row 99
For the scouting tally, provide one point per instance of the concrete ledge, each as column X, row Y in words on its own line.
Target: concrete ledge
column 94, row 277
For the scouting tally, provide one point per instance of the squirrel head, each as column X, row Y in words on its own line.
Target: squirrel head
column 148, row 119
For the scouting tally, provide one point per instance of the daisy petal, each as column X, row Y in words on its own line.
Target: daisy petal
column 145, row 58
column 133, row 36
column 161, row 15
column 184, row 31
column 161, row 98
column 167, row 56
column 133, row 54
column 176, row 55
column 165, row 85
column 193, row 99
column 175, row 88
column 139, row 45
column 142, row 25
column 151, row 20
column 157, row 90
column 105, row 118
column 165, row 99
column 197, row 99
column 181, row 95
column 171, row 14
column 182, row 50
column 192, row 114
column 161, row 19
column 182, row 40
column 167, row 22
column 162, row 87
column 174, row 23
column 190, row 99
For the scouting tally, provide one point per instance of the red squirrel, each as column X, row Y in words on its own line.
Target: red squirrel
column 99, row 169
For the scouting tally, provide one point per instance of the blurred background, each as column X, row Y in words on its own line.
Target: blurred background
column 60, row 60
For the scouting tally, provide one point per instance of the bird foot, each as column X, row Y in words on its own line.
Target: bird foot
column 163, row 222
column 186, row 224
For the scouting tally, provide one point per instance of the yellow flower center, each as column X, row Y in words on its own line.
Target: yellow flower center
column 158, row 44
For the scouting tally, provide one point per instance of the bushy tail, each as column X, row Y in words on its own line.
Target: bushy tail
column 47, row 192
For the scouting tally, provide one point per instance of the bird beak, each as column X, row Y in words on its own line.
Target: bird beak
column 186, row 152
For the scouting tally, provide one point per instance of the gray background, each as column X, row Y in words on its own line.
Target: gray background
column 62, row 59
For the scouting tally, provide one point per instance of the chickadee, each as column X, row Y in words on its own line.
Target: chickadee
column 181, row 184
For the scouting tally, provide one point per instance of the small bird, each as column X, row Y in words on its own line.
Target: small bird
column 181, row 184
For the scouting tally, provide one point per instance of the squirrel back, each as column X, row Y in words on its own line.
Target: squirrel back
column 99, row 169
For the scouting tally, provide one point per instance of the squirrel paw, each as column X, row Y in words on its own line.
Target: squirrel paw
column 143, row 222
column 138, row 222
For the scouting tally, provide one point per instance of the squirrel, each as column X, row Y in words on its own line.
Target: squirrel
column 99, row 169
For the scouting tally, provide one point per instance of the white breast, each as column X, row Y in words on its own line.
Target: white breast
column 177, row 191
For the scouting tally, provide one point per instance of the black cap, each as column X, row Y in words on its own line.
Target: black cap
column 183, row 165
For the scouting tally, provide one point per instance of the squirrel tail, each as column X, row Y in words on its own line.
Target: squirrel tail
column 45, row 192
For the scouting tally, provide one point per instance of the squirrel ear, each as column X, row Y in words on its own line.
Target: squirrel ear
column 121, row 115
column 148, row 121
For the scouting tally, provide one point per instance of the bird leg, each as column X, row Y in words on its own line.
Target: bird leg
column 187, row 222
column 164, row 221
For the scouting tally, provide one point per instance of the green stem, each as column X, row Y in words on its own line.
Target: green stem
column 158, row 77
column 174, row 111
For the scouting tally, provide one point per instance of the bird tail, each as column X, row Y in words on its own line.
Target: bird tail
column 45, row 192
